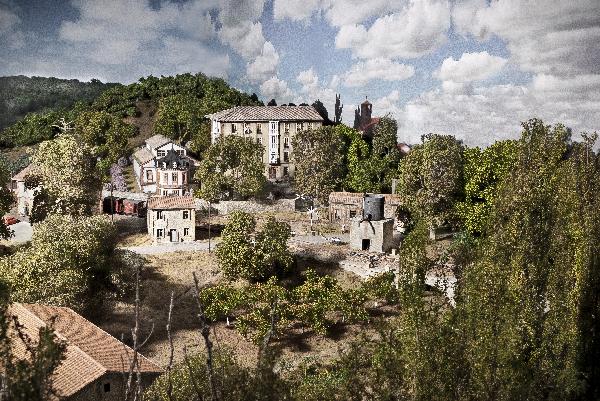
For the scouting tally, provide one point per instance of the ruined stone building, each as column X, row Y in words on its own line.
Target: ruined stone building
column 371, row 231
column 171, row 219
column 24, row 196
column 163, row 168
column 272, row 126
column 344, row 206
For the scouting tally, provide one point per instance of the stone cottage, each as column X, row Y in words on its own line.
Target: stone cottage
column 171, row 219
column 272, row 126
column 163, row 167
column 95, row 364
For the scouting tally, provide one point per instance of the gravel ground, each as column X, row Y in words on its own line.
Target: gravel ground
column 170, row 248
column 22, row 233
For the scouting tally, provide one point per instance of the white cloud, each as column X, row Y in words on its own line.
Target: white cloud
column 416, row 30
column 377, row 69
column 490, row 113
column 470, row 67
column 295, row 10
column 552, row 37
column 312, row 89
column 245, row 38
column 265, row 65
column 10, row 33
column 275, row 88
column 126, row 40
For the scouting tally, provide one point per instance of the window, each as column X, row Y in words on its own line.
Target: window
column 161, row 153
column 186, row 214
column 149, row 175
column 159, row 233
column 259, row 141
column 259, row 128
column 233, row 128
column 107, row 387
column 186, row 231
column 286, row 171
column 286, row 142
column 165, row 178
column 352, row 213
column 273, row 140
column 175, row 177
column 180, row 152
column 286, row 127
column 159, row 214
column 310, row 125
column 286, row 157
column 299, row 127
column 274, row 126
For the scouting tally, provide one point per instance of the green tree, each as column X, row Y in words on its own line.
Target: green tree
column 430, row 178
column 232, row 164
column 322, row 110
column 254, row 255
column 68, row 263
column 385, row 155
column 483, row 172
column 361, row 174
column 180, row 117
column 106, row 135
column 319, row 161
column 65, row 169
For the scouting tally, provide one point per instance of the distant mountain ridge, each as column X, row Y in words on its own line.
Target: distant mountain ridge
column 20, row 95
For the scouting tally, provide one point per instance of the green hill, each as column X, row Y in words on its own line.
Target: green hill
column 180, row 103
column 20, row 95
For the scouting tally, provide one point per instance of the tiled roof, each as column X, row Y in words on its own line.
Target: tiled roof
column 20, row 176
column 346, row 197
column 143, row 156
column 90, row 352
column 171, row 202
column 267, row 113
column 157, row 141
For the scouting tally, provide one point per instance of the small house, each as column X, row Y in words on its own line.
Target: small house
column 24, row 195
column 171, row 219
column 96, row 364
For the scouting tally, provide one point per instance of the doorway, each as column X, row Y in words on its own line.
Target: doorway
column 173, row 235
column 366, row 244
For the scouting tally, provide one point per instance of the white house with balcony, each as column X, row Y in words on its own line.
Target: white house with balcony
column 272, row 126
column 163, row 167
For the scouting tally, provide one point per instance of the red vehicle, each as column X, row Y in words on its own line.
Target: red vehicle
column 10, row 220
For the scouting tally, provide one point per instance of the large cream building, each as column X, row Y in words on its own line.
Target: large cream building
column 272, row 126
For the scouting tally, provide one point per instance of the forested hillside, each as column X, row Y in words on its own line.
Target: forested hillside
column 20, row 95
column 181, row 103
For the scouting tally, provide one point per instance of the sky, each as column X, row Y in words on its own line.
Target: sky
column 472, row 68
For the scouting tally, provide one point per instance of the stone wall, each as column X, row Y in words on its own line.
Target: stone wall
column 281, row 205
column 379, row 234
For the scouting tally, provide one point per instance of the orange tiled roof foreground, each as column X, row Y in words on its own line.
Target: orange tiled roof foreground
column 91, row 352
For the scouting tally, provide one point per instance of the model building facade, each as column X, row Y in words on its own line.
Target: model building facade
column 272, row 126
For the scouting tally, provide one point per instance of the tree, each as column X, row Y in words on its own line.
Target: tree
column 319, row 161
column 65, row 169
column 322, row 110
column 179, row 117
column 254, row 255
column 385, row 156
column 484, row 170
column 272, row 102
column 430, row 178
column 232, row 164
column 530, row 300
column 338, row 110
column 68, row 263
column 106, row 135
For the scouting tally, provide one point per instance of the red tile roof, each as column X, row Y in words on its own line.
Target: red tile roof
column 90, row 352
column 171, row 202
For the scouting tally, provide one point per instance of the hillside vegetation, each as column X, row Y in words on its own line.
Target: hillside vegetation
column 180, row 101
column 20, row 95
